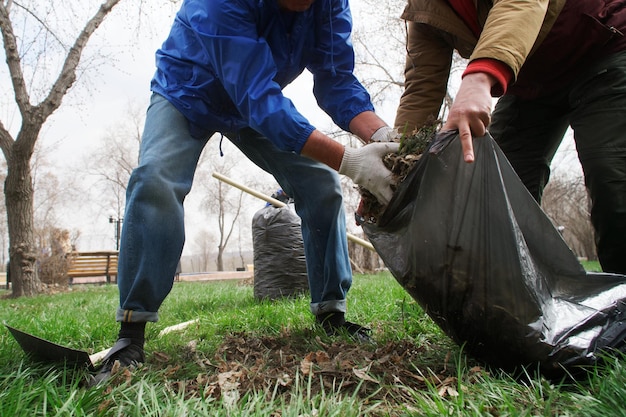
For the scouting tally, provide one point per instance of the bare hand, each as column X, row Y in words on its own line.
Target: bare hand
column 470, row 113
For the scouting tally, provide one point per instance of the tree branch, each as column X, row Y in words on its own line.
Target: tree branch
column 68, row 73
column 41, row 22
column 14, row 61
column 6, row 140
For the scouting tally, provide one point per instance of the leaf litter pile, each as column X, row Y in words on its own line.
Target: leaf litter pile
column 284, row 364
column 412, row 146
column 304, row 363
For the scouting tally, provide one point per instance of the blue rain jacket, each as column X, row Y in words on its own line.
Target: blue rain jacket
column 225, row 63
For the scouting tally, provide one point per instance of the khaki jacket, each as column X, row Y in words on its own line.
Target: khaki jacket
column 435, row 31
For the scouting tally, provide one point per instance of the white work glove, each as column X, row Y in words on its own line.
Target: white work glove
column 365, row 167
column 385, row 134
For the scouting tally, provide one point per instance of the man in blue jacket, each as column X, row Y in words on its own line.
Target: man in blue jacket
column 222, row 69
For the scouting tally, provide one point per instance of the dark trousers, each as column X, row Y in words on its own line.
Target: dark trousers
column 594, row 106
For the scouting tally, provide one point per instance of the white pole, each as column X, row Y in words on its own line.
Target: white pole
column 278, row 203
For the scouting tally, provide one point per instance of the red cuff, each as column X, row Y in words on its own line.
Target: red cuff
column 495, row 68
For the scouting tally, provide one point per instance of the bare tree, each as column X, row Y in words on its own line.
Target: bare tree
column 25, row 55
column 45, row 50
column 220, row 201
column 242, row 260
column 380, row 47
column 4, row 233
column 205, row 243
column 114, row 160
column 49, row 238
column 51, row 194
column 228, row 211
column 566, row 202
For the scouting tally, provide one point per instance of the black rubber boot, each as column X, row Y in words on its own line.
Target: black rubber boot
column 127, row 352
column 123, row 354
column 334, row 323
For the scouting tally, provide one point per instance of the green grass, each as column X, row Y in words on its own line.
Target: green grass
column 591, row 266
column 84, row 319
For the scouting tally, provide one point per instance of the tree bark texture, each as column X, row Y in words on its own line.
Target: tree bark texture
column 18, row 190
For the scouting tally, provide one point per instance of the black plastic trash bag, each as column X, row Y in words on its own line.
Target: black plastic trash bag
column 279, row 262
column 474, row 249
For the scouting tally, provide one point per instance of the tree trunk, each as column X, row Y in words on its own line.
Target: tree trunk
column 220, row 258
column 18, row 190
column 18, row 187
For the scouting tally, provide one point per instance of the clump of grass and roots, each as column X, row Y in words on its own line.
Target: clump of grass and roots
column 412, row 146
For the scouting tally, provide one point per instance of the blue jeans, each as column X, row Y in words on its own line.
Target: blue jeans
column 594, row 105
column 153, row 231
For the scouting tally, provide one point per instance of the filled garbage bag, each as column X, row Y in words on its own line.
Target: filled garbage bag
column 279, row 262
column 474, row 249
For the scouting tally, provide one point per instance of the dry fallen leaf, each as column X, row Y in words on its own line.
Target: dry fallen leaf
column 229, row 384
column 284, row 380
column 306, row 366
column 362, row 374
column 448, row 387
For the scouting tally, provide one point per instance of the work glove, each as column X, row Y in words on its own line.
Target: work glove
column 365, row 167
column 385, row 134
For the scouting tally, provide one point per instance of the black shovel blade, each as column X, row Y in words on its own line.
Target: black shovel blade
column 42, row 350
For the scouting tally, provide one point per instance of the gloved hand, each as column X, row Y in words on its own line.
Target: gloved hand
column 365, row 167
column 385, row 134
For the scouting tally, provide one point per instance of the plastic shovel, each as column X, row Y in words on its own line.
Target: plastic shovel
column 42, row 350
column 46, row 351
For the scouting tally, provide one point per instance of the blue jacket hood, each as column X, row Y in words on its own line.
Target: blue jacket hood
column 225, row 63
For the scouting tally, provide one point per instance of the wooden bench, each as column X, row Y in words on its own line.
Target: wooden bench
column 92, row 265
